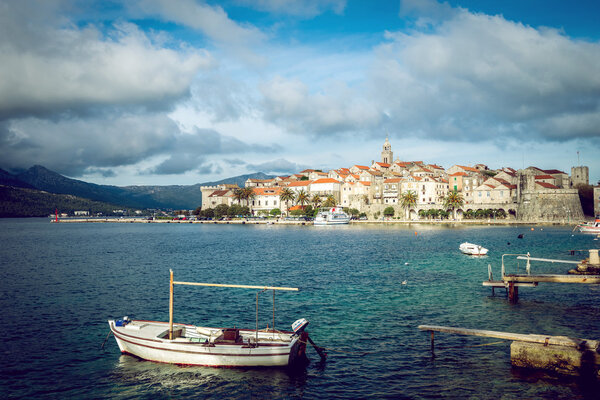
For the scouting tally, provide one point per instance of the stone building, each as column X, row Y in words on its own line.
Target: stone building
column 580, row 176
column 387, row 156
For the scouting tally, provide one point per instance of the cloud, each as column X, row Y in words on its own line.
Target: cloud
column 340, row 109
column 77, row 146
column 279, row 166
column 49, row 68
column 305, row 8
column 478, row 76
column 213, row 21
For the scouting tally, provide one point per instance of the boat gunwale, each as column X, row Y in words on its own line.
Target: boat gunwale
column 116, row 332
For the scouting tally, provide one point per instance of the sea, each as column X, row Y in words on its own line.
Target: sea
column 364, row 289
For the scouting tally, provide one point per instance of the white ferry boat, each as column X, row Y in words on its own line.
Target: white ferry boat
column 332, row 216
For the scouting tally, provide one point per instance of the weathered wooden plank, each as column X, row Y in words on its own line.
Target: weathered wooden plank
column 548, row 260
column 235, row 286
column 556, row 278
column 531, row 338
column 502, row 284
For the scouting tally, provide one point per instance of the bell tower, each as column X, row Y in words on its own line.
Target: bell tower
column 387, row 156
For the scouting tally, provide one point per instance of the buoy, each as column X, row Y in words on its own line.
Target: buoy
column 404, row 282
column 405, row 263
column 520, row 236
column 531, row 228
column 415, row 233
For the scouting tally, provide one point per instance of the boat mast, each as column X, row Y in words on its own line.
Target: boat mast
column 261, row 288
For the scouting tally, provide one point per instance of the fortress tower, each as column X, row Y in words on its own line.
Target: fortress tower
column 387, row 156
column 580, row 175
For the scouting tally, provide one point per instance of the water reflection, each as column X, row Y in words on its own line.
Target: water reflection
column 135, row 374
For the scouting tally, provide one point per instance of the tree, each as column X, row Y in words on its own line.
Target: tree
column 330, row 201
column 287, row 195
column 408, row 200
column 239, row 195
column 248, row 194
column 316, row 201
column 453, row 201
column 389, row 211
column 234, row 210
column 207, row 213
column 221, row 210
column 354, row 212
column 197, row 210
column 302, row 198
column 275, row 212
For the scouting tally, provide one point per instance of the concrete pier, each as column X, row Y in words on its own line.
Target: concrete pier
column 559, row 354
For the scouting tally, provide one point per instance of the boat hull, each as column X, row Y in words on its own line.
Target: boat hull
column 473, row 249
column 146, row 344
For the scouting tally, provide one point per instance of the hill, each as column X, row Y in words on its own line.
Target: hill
column 186, row 197
column 23, row 202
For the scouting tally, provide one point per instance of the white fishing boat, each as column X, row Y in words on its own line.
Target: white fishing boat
column 473, row 249
column 185, row 344
column 332, row 216
column 590, row 227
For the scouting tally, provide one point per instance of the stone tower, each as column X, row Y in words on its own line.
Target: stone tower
column 580, row 175
column 387, row 156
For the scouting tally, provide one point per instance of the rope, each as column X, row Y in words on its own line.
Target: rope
column 336, row 350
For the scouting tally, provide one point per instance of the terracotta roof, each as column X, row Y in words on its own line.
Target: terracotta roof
column 459, row 174
column 544, row 177
column 307, row 171
column 361, row 167
column 552, row 171
column 376, row 173
column 365, row 183
column 219, row 193
column 492, row 186
column 468, row 168
column 267, row 191
column 425, row 169
column 297, row 207
column 384, row 165
column 393, row 180
column 547, row 185
column 299, row 183
column 326, row 180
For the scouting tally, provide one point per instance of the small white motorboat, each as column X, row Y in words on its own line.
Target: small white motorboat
column 473, row 249
column 185, row 344
column 332, row 216
column 590, row 227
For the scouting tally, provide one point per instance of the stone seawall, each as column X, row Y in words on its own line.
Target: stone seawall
column 550, row 205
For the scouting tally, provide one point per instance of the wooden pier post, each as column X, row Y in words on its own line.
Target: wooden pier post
column 171, row 305
column 513, row 292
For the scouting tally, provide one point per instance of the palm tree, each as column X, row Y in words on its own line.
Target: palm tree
column 238, row 194
column 408, row 200
column 454, row 200
column 302, row 198
column 248, row 194
column 330, row 201
column 316, row 200
column 287, row 195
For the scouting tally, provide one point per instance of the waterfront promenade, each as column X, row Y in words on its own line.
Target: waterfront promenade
column 250, row 221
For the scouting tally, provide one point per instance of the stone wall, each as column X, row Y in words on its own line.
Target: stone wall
column 550, row 205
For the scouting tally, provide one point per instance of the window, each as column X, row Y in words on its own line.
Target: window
column 479, row 194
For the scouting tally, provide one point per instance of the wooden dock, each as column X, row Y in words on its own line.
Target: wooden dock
column 562, row 354
column 512, row 282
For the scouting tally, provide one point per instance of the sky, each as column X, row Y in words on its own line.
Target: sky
column 179, row 92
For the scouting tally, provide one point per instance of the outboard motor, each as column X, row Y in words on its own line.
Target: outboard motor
column 299, row 325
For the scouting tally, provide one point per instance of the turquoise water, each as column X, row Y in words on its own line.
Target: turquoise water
column 59, row 283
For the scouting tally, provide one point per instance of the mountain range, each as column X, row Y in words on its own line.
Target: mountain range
column 38, row 178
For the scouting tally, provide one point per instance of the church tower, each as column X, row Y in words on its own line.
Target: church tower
column 387, row 156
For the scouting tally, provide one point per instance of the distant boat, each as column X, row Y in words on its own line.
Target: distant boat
column 590, row 227
column 332, row 216
column 185, row 344
column 473, row 249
